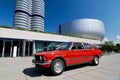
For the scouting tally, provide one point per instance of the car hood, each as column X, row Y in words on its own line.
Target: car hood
column 48, row 52
column 51, row 52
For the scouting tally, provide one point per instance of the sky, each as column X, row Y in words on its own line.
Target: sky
column 61, row 11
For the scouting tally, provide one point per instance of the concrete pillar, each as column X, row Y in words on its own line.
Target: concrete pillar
column 11, row 49
column 34, row 49
column 23, row 48
column 19, row 49
column 3, row 48
column 28, row 48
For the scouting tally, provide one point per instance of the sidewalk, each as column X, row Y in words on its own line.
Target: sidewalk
column 23, row 69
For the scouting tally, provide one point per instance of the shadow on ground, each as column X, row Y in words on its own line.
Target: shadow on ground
column 35, row 72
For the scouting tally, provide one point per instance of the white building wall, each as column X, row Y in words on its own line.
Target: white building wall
column 28, row 35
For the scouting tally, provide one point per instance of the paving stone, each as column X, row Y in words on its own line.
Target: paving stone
column 21, row 68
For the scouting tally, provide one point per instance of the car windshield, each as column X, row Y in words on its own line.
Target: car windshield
column 63, row 46
column 52, row 46
column 55, row 46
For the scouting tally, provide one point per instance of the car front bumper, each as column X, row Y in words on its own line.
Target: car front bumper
column 42, row 64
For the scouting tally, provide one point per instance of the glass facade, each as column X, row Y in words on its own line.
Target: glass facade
column 41, row 45
column 1, row 47
column 29, row 14
column 24, row 47
column 7, row 48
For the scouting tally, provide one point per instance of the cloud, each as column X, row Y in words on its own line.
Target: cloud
column 117, row 40
column 105, row 39
column 118, row 37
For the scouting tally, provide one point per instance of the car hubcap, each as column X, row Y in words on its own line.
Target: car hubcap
column 58, row 67
column 96, row 60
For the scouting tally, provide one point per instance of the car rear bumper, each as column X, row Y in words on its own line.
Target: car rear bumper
column 42, row 64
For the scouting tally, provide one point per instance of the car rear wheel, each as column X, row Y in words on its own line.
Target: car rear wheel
column 95, row 60
column 57, row 67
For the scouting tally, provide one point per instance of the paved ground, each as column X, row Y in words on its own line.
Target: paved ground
column 23, row 69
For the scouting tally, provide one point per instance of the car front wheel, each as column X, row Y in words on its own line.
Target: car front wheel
column 95, row 60
column 57, row 67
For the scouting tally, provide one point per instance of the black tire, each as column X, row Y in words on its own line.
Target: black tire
column 57, row 67
column 95, row 60
column 37, row 66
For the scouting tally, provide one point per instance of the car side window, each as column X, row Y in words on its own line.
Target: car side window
column 77, row 46
column 87, row 46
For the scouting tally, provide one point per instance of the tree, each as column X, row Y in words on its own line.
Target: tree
column 117, row 47
column 108, row 46
column 5, row 26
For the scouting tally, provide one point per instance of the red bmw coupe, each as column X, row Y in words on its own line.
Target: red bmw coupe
column 67, row 54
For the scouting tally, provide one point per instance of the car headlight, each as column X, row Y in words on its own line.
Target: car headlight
column 43, row 58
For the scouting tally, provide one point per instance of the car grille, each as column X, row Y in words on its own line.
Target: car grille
column 37, row 58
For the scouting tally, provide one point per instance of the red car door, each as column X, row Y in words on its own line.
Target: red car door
column 75, row 56
column 89, row 51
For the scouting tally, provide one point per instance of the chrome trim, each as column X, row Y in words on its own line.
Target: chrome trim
column 41, row 62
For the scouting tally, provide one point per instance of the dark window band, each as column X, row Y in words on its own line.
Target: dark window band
column 37, row 15
column 28, row 13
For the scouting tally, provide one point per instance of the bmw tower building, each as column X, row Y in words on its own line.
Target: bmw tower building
column 29, row 14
